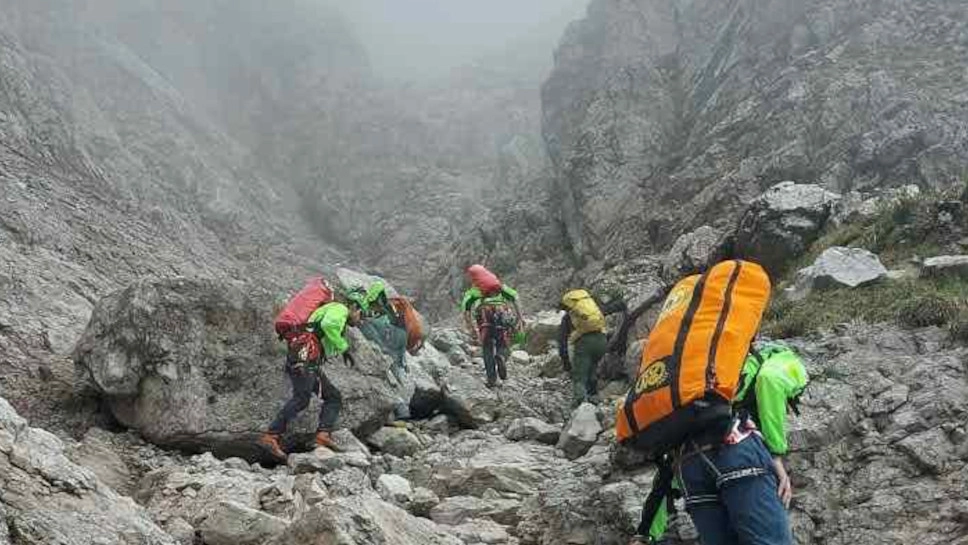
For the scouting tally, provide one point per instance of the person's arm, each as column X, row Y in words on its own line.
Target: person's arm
column 771, row 404
column 512, row 296
column 771, row 401
column 466, row 305
column 564, row 331
column 471, row 327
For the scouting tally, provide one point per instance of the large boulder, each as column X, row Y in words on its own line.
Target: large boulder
column 691, row 252
column 467, row 398
column 362, row 520
column 193, row 363
column 47, row 498
column 542, row 331
column 781, row 224
column 839, row 267
column 581, row 431
column 419, row 385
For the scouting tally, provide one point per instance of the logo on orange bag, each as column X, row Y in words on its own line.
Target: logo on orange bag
column 652, row 378
column 678, row 298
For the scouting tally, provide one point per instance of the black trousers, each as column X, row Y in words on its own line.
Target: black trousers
column 305, row 383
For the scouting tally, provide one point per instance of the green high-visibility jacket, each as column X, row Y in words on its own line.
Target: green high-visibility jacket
column 329, row 323
column 780, row 377
column 474, row 298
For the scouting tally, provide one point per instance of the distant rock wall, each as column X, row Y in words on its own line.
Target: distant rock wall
column 661, row 115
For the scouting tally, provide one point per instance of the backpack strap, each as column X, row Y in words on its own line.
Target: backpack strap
column 747, row 408
column 661, row 492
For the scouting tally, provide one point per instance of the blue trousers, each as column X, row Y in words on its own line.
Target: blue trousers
column 731, row 495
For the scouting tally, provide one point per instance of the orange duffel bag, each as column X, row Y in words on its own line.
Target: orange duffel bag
column 693, row 358
column 414, row 323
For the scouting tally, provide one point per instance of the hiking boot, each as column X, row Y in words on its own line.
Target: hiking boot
column 325, row 439
column 491, row 383
column 502, row 369
column 270, row 442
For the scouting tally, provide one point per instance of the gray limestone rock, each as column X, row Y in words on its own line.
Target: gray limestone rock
column 58, row 501
column 581, row 431
column 235, row 524
column 396, row 441
column 945, row 265
column 320, row 460
column 363, row 521
column 781, row 224
column 532, row 429
column 691, row 252
column 839, row 267
column 395, row 489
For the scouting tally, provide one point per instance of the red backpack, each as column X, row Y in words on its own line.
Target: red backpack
column 484, row 280
column 293, row 318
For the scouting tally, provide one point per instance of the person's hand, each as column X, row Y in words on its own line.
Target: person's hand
column 348, row 359
column 785, row 490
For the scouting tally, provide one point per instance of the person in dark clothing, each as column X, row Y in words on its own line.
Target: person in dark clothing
column 324, row 341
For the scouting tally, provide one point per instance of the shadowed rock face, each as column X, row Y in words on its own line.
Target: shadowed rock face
column 661, row 116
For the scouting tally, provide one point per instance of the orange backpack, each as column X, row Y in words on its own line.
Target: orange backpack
column 413, row 322
column 692, row 361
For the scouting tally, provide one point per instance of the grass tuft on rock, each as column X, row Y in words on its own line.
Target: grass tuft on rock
column 908, row 303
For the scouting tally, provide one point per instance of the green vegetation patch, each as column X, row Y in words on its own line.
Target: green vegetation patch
column 909, row 303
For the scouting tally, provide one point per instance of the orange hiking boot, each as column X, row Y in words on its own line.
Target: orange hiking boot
column 324, row 439
column 270, row 442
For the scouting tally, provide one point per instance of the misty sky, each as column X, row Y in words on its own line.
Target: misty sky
column 425, row 37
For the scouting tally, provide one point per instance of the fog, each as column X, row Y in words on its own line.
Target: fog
column 414, row 39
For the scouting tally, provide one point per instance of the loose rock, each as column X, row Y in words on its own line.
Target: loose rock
column 234, row 524
column 395, row 489
column 581, row 432
column 532, row 429
column 396, row 441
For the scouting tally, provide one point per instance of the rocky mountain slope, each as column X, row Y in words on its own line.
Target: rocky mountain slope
column 661, row 116
column 109, row 173
column 225, row 139
column 154, row 211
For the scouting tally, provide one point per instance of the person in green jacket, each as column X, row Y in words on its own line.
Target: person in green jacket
column 490, row 320
column 772, row 380
column 382, row 325
column 327, row 327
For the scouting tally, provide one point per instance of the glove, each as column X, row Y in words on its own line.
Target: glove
column 348, row 359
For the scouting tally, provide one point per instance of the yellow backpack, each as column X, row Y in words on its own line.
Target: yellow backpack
column 586, row 317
